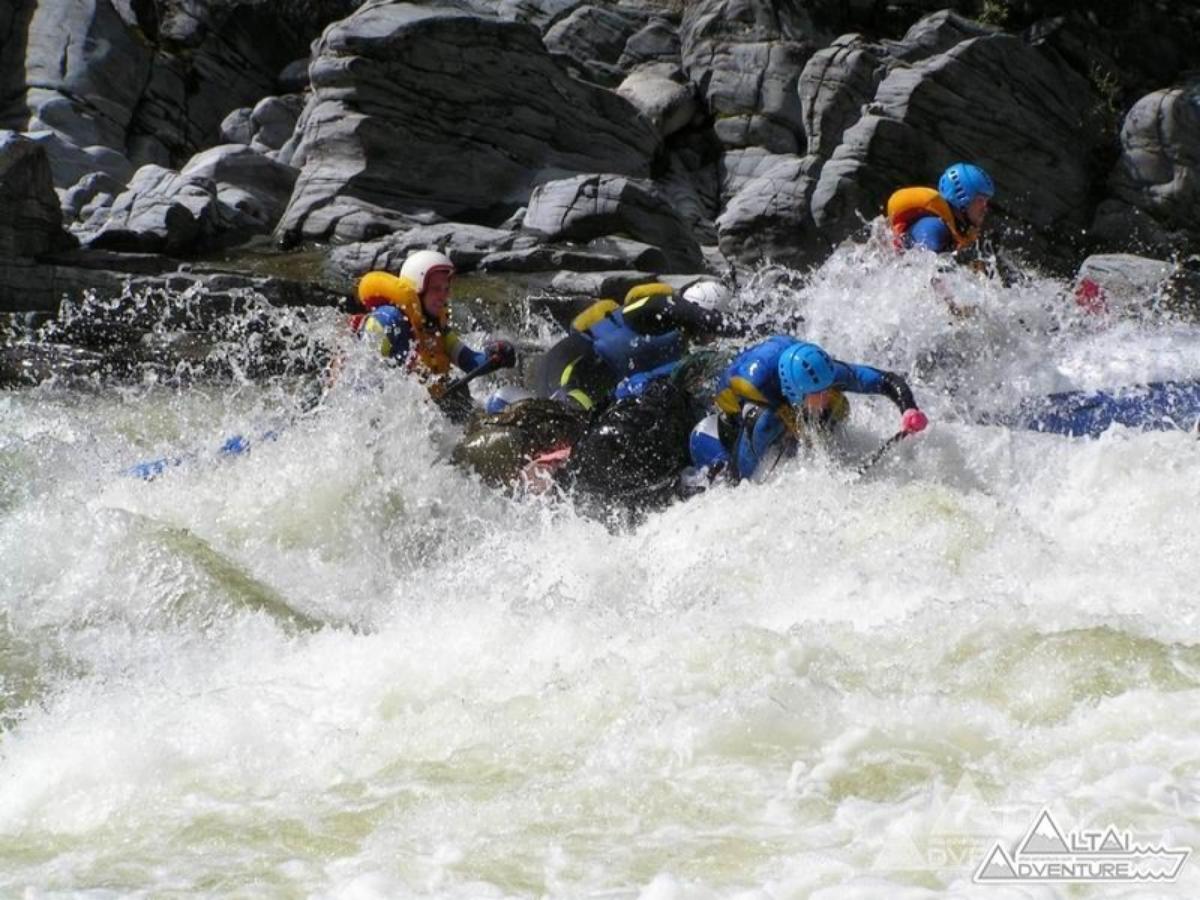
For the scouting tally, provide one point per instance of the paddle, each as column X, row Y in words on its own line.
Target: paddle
column 491, row 364
column 880, row 452
column 453, row 401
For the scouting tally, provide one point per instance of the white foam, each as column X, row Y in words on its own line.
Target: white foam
column 752, row 694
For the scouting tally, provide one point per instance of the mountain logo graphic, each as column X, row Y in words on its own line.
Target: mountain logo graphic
column 1047, row 854
column 1044, row 837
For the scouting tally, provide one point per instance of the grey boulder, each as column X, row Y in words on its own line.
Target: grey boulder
column 590, row 206
column 266, row 184
column 465, row 244
column 662, row 94
column 420, row 109
column 593, row 39
column 655, row 42
column 835, row 85
column 614, row 284
column 69, row 163
column 1155, row 188
column 163, row 211
column 745, row 56
column 601, row 254
column 273, row 120
column 765, row 215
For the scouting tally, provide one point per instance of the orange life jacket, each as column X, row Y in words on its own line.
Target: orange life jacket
column 907, row 205
column 429, row 338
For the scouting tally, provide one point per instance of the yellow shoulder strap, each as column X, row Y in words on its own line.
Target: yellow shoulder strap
column 646, row 291
column 593, row 314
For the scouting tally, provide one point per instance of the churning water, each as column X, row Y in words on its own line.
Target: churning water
column 338, row 667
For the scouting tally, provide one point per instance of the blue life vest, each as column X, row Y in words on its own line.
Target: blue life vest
column 626, row 352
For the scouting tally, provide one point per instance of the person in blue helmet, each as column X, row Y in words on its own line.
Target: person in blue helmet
column 945, row 220
column 782, row 387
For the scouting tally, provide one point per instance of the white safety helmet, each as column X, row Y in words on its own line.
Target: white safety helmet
column 418, row 266
column 709, row 295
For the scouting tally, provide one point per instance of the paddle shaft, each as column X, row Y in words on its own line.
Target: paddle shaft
column 485, row 368
column 881, row 451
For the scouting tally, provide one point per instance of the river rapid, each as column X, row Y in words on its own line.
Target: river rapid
column 336, row 666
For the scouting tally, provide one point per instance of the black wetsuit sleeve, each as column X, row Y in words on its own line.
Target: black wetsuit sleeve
column 897, row 390
column 663, row 313
column 555, row 361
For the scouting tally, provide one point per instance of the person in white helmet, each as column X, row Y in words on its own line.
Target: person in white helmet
column 408, row 317
column 614, row 351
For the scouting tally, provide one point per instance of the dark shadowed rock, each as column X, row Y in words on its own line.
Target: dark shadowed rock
column 1128, row 49
column 935, row 34
column 293, row 79
column 599, row 284
column 31, row 222
column 692, row 182
column 41, row 286
column 1155, row 188
column 629, row 254
column 593, row 38
column 589, row 206
column 655, row 42
column 492, row 249
column 419, row 109
column 149, row 80
column 266, row 127
column 539, row 13
column 216, row 56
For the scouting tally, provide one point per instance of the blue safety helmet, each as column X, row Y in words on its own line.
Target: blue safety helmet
column 804, row 369
column 962, row 183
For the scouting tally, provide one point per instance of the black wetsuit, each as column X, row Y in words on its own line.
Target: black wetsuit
column 583, row 367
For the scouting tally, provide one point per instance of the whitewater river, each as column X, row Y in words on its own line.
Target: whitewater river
column 338, row 667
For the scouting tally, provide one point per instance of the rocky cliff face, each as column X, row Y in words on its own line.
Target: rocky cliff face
column 696, row 135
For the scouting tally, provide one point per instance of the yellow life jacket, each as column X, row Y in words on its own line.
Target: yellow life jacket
column 646, row 291
column 429, row 338
column 593, row 314
column 800, row 420
column 602, row 308
column 907, row 205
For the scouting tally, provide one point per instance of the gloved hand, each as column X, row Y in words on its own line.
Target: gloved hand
column 501, row 353
column 913, row 421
